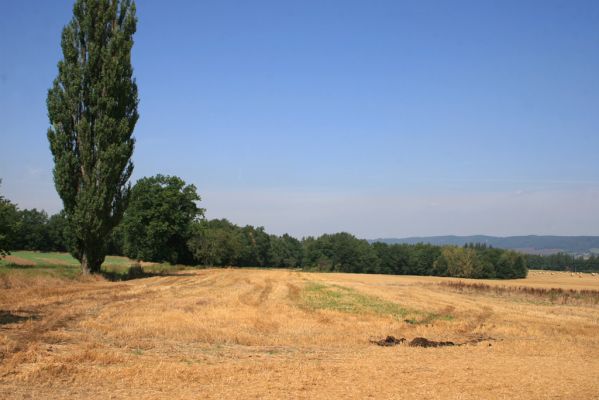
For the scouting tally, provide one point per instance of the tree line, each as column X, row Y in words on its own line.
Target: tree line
column 563, row 262
column 164, row 224
column 29, row 229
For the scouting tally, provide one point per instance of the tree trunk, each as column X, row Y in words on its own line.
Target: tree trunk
column 90, row 265
column 85, row 267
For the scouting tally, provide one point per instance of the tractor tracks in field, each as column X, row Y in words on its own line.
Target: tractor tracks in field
column 258, row 294
column 478, row 320
column 60, row 312
column 293, row 292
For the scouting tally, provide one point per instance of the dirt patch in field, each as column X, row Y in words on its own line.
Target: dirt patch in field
column 20, row 261
column 7, row 317
column 416, row 342
column 424, row 342
column 388, row 341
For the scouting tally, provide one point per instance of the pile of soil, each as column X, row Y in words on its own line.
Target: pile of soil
column 424, row 342
column 388, row 341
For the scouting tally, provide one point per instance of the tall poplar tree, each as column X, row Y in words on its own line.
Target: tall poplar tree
column 92, row 107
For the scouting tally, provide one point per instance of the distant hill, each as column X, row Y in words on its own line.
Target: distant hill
column 531, row 244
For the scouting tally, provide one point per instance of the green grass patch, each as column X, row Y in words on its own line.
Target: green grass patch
column 137, row 352
column 56, row 271
column 63, row 265
column 39, row 258
column 317, row 296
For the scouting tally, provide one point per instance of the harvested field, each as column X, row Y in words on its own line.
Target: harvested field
column 272, row 334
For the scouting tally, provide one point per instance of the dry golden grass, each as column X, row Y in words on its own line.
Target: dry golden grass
column 18, row 260
column 232, row 333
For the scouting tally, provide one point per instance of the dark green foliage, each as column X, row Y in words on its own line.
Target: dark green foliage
column 563, row 262
column 158, row 222
column 489, row 259
column 393, row 259
column 341, row 252
column 422, row 257
column 286, row 251
column 215, row 242
column 255, row 247
column 316, row 254
column 8, row 225
column 92, row 107
column 57, row 225
column 568, row 244
column 32, row 231
column 116, row 241
column 29, row 229
column 480, row 261
column 221, row 243
column 405, row 259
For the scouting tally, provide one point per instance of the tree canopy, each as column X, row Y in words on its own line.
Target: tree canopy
column 158, row 221
column 8, row 225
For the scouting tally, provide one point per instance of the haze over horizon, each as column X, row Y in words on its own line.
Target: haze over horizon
column 390, row 120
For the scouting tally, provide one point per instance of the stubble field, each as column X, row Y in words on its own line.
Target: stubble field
column 273, row 334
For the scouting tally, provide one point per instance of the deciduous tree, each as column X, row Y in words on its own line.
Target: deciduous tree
column 158, row 222
column 8, row 224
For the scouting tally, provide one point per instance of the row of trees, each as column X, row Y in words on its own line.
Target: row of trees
column 8, row 213
column 563, row 262
column 33, row 229
column 30, row 229
column 164, row 223
column 218, row 242
column 156, row 226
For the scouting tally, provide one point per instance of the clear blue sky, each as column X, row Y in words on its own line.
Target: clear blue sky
column 381, row 118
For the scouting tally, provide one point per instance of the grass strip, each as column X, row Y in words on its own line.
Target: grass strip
column 317, row 296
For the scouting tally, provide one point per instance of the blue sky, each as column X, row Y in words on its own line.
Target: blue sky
column 381, row 118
